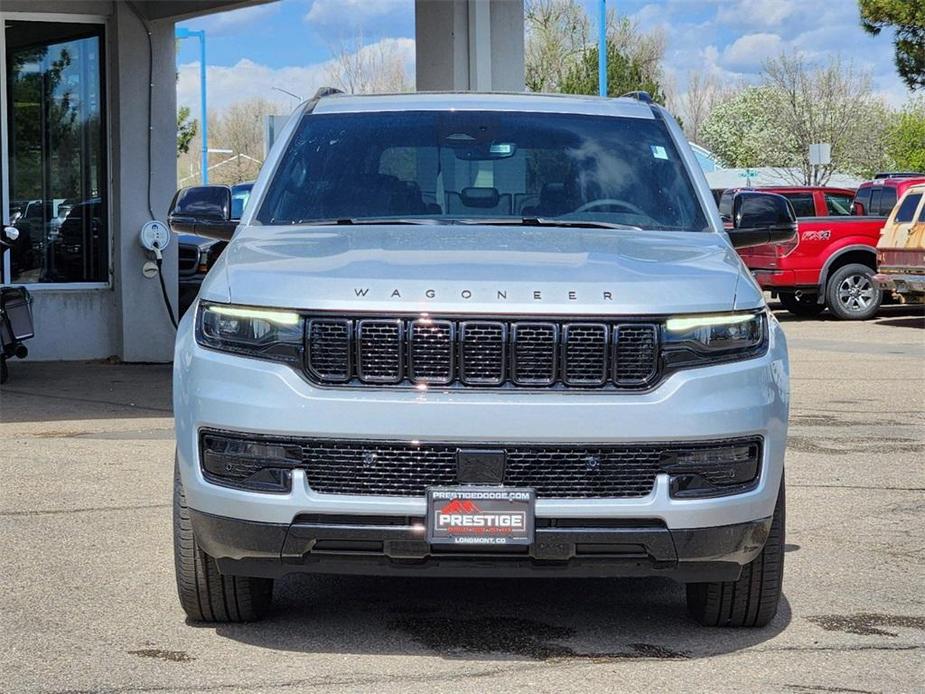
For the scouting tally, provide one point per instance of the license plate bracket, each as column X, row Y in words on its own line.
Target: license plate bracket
column 480, row 515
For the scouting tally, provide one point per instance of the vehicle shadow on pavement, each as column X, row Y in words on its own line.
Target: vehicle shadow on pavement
column 492, row 619
column 901, row 315
column 71, row 391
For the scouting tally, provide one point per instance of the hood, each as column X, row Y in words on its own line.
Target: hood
column 478, row 269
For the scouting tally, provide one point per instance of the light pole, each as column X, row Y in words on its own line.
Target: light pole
column 602, row 50
column 182, row 33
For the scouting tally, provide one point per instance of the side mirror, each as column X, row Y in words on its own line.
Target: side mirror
column 203, row 211
column 857, row 208
column 759, row 218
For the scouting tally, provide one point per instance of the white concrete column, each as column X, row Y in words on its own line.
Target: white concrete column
column 469, row 45
column 146, row 332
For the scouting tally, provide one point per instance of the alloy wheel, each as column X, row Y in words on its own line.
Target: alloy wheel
column 856, row 293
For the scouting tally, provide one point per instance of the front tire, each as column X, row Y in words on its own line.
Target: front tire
column 205, row 594
column 851, row 293
column 752, row 600
column 805, row 305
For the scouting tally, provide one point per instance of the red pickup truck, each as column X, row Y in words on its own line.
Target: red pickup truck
column 831, row 261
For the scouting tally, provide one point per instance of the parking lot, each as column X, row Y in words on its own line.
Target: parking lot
column 88, row 600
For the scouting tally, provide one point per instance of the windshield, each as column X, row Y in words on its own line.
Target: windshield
column 470, row 165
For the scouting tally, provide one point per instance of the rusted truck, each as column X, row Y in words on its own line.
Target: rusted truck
column 901, row 248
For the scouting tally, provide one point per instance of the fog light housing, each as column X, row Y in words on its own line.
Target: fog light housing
column 714, row 470
column 247, row 463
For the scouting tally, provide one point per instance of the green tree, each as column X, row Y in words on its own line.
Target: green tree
column 561, row 52
column 186, row 130
column 624, row 74
column 907, row 19
column 906, row 137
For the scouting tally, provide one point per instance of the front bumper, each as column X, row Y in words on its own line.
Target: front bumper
column 220, row 391
column 396, row 546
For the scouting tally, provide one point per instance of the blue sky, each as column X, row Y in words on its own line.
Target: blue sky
column 287, row 43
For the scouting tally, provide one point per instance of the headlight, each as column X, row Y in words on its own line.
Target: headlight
column 254, row 332
column 701, row 340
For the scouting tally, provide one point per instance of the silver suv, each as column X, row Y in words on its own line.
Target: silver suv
column 480, row 335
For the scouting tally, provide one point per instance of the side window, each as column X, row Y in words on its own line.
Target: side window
column 863, row 197
column 874, row 207
column 725, row 204
column 887, row 201
column 803, row 205
column 838, row 204
column 906, row 211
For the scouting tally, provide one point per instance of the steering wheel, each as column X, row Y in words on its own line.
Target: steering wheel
column 610, row 202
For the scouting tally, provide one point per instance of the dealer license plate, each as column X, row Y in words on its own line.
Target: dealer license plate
column 480, row 516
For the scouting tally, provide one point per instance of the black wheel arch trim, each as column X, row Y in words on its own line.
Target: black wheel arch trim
column 827, row 266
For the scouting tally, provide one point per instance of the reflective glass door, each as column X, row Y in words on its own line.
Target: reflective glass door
column 55, row 152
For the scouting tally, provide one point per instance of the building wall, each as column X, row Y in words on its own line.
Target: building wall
column 127, row 320
column 469, row 45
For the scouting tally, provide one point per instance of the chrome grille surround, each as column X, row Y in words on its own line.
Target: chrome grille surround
column 420, row 351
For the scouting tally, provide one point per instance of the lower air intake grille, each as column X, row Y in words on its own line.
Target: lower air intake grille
column 555, row 471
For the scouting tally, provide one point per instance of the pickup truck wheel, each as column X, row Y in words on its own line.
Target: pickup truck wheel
column 752, row 600
column 851, row 293
column 206, row 595
column 804, row 305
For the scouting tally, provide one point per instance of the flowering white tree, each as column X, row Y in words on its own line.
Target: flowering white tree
column 377, row 68
column 798, row 104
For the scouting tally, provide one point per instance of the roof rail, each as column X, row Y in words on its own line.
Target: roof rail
column 327, row 91
column 898, row 174
column 645, row 97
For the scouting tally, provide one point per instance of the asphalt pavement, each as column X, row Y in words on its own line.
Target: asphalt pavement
column 88, row 603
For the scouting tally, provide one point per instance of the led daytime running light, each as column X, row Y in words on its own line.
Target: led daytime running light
column 279, row 317
column 677, row 325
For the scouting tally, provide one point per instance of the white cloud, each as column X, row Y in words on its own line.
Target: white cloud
column 751, row 50
column 247, row 79
column 225, row 23
column 756, row 14
column 353, row 12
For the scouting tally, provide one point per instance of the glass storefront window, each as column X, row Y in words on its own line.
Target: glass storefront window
column 56, row 152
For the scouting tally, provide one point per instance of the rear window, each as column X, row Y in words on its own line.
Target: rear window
column 887, row 201
column 838, row 204
column 803, row 205
column 906, row 211
column 465, row 165
column 874, row 207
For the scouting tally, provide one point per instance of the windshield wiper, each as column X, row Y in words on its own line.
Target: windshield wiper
column 342, row 221
column 490, row 221
column 546, row 222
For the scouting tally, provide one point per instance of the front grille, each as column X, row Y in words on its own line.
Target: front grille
column 380, row 346
column 636, row 347
column 537, row 354
column 484, row 353
column 555, row 471
column 187, row 259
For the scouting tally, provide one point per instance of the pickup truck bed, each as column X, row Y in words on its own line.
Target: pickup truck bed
column 801, row 272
